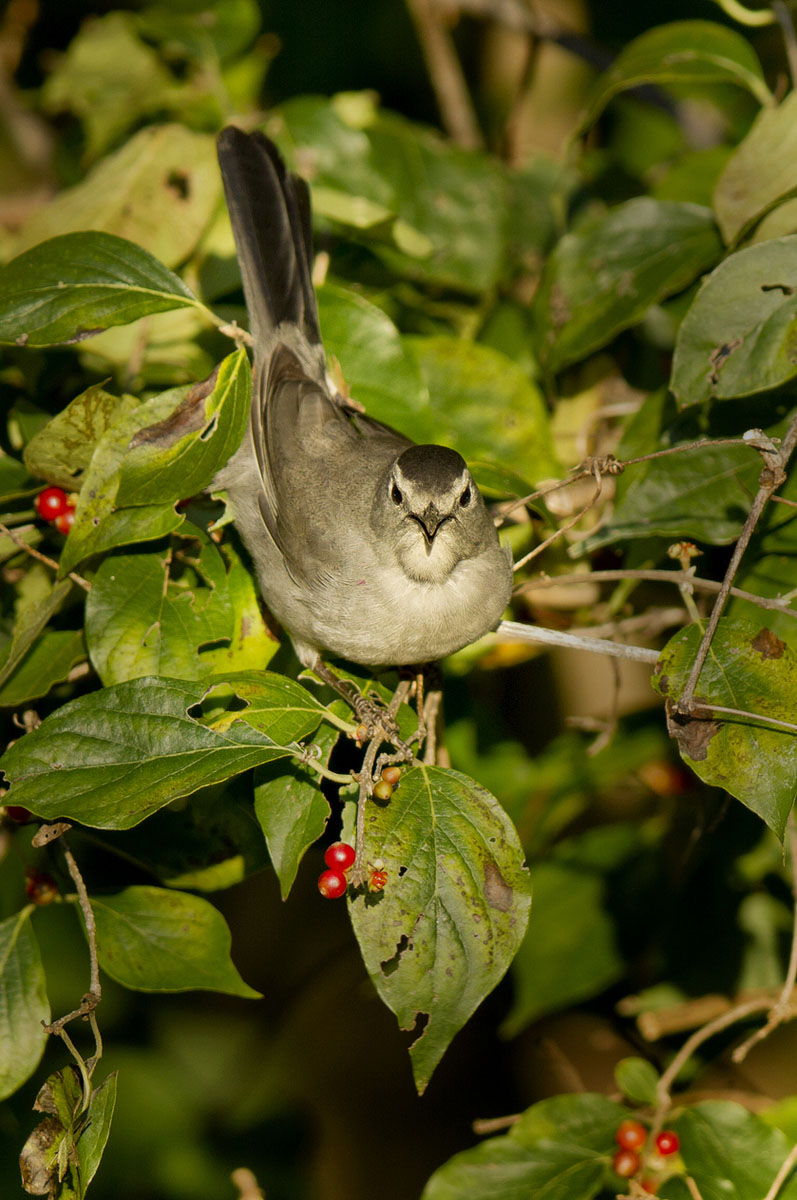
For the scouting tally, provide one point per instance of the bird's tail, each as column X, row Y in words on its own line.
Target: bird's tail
column 270, row 213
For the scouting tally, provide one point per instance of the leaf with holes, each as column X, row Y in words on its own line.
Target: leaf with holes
column 443, row 932
column 739, row 336
column 751, row 669
column 121, row 753
column 178, row 456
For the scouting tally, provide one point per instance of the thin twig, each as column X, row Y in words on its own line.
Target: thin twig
column 514, row 631
column 598, row 477
column 723, row 1021
column 446, row 75
column 699, row 709
column 785, row 1169
column 42, row 558
column 772, row 476
column 694, row 1190
column 654, row 576
column 485, row 1125
column 780, row 1011
column 609, row 465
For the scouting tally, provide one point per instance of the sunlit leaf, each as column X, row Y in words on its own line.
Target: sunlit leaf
column 680, row 52
column 77, row 284
column 121, row 753
column 738, row 336
column 752, row 670
column 760, row 172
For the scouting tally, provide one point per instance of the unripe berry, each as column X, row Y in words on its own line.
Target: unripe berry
column 65, row 520
column 40, row 888
column 391, row 775
column 625, row 1163
column 383, row 790
column 631, row 1135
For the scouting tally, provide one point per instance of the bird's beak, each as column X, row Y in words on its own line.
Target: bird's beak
column 429, row 521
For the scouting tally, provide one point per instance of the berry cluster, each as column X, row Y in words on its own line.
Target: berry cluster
column 53, row 505
column 631, row 1137
column 385, row 786
column 332, row 883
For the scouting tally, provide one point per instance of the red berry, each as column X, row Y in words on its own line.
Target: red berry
column 50, row 503
column 339, row 856
column 17, row 814
column 667, row 1142
column 332, row 884
column 649, row 1186
column 40, row 888
column 631, row 1135
column 625, row 1163
column 65, row 520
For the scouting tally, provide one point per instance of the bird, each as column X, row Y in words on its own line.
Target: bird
column 366, row 546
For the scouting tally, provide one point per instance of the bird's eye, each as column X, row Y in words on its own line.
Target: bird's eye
column 395, row 494
column 464, row 499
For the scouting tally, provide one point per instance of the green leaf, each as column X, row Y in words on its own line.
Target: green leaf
column 153, row 612
column 680, row 52
column 15, row 481
column 737, row 338
column 62, row 450
column 47, row 663
column 160, row 190
column 731, row 1153
column 23, row 1002
column 178, row 456
column 569, row 953
column 122, row 753
column 760, row 172
column 751, row 669
column 108, row 78
column 637, row 1079
column 78, row 284
column 443, row 932
column 485, row 406
column 99, row 525
column 431, row 210
column 61, row 1156
column 292, row 810
column 30, row 619
column 558, row 1150
column 702, row 494
column 94, row 1137
column 377, row 369
column 604, row 278
column 209, row 844
column 158, row 940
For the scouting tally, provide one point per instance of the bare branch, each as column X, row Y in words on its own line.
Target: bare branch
column 781, row 1010
column 445, row 73
column 772, row 476
column 42, row 558
column 515, row 631
column 785, row 1170
column 654, row 576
